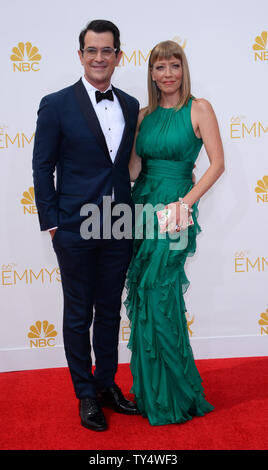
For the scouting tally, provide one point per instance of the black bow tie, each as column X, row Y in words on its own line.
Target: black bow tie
column 104, row 96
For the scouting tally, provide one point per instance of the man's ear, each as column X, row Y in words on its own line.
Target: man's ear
column 81, row 57
column 119, row 57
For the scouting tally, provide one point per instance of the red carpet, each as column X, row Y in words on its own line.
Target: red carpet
column 39, row 411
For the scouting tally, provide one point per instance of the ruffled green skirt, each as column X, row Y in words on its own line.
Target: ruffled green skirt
column 166, row 382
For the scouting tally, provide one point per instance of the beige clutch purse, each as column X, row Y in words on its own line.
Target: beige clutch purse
column 163, row 218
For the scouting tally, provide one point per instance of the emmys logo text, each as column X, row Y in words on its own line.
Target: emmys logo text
column 19, row 140
column 137, row 57
column 244, row 263
column 10, row 275
column 243, row 130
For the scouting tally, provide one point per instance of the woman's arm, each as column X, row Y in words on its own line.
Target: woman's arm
column 135, row 161
column 205, row 126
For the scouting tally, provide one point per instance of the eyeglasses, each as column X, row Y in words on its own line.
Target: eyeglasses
column 106, row 52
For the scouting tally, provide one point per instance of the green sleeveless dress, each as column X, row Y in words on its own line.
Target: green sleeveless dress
column 166, row 382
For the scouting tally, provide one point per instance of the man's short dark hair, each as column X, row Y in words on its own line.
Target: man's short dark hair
column 100, row 26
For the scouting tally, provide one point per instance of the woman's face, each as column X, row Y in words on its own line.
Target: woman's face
column 167, row 74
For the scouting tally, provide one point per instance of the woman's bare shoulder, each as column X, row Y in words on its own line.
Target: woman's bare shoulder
column 201, row 105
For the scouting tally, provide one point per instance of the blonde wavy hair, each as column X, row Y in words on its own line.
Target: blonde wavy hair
column 165, row 50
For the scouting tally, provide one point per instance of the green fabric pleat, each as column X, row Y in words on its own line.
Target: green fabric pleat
column 166, row 382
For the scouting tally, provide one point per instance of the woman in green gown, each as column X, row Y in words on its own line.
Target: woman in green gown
column 170, row 134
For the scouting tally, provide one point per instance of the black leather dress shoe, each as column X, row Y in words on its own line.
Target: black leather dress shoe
column 112, row 397
column 91, row 414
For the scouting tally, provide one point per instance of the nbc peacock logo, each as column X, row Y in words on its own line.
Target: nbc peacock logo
column 262, row 189
column 28, row 201
column 259, row 47
column 263, row 322
column 25, row 57
column 42, row 334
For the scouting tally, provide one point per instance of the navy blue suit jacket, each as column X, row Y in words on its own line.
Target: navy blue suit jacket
column 69, row 139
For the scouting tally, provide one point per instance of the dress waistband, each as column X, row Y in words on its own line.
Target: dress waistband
column 167, row 168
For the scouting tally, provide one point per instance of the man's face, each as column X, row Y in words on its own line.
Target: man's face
column 100, row 67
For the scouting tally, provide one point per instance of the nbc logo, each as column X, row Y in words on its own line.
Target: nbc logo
column 262, row 189
column 42, row 334
column 260, row 47
column 25, row 57
column 263, row 322
column 28, row 201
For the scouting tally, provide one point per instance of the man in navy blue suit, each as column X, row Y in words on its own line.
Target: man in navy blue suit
column 85, row 133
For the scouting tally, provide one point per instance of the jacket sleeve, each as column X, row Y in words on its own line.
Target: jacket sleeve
column 45, row 157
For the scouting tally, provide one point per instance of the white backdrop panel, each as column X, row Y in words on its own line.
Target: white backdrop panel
column 227, row 299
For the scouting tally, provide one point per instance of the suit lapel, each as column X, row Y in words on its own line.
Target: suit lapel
column 126, row 116
column 90, row 116
column 92, row 119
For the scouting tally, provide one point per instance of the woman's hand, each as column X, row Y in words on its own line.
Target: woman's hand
column 178, row 217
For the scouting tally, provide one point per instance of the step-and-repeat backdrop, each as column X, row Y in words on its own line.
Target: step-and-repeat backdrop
column 227, row 48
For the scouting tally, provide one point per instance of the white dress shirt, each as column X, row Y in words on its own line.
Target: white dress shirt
column 111, row 119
